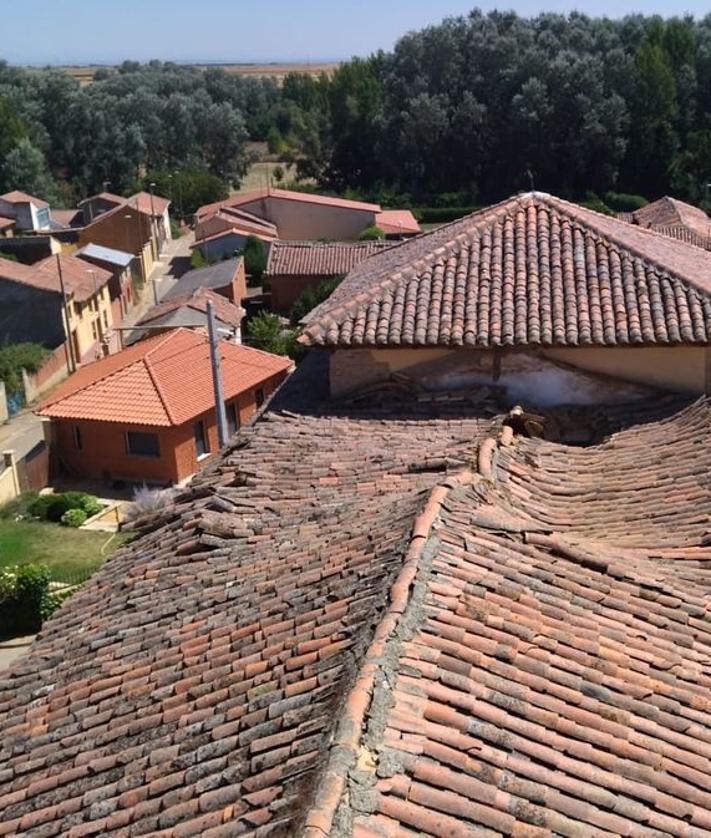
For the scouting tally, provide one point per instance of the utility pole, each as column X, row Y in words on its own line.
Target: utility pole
column 220, row 412
column 65, row 308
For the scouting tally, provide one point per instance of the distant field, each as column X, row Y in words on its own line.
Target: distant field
column 277, row 71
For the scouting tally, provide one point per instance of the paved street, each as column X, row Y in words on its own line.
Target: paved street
column 21, row 433
column 174, row 262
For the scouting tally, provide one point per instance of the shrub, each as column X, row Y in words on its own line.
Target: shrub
column 73, row 518
column 148, row 502
column 441, row 215
column 255, row 258
column 53, row 507
column 19, row 507
column 622, row 202
column 197, row 260
column 309, row 298
column 25, row 600
column 594, row 202
column 14, row 358
column 371, row 233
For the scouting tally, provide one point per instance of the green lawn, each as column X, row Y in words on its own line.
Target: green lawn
column 72, row 555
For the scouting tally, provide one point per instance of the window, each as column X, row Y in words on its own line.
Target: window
column 201, row 447
column 77, row 438
column 94, row 333
column 232, row 418
column 142, row 444
column 259, row 396
column 106, row 319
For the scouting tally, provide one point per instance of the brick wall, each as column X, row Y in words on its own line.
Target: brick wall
column 53, row 370
column 103, row 452
column 286, row 289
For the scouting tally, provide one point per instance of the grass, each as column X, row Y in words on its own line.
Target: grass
column 71, row 555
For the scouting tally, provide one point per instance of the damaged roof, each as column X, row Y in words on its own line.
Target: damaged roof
column 384, row 621
column 531, row 271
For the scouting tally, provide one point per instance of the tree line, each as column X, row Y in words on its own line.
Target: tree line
column 468, row 111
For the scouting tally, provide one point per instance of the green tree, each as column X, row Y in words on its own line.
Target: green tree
column 255, row 258
column 25, row 168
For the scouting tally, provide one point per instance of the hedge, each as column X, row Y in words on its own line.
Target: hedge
column 25, row 599
column 440, row 215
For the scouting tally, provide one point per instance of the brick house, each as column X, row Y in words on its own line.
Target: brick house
column 293, row 267
column 147, row 413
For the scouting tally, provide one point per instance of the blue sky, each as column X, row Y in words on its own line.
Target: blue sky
column 85, row 31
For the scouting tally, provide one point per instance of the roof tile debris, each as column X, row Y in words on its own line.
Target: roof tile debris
column 531, row 271
column 161, row 381
column 320, row 258
column 384, row 620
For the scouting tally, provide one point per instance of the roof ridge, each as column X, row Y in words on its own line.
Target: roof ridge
column 570, row 210
column 171, row 335
column 371, row 293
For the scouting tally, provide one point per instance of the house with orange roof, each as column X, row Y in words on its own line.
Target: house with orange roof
column 301, row 216
column 147, row 413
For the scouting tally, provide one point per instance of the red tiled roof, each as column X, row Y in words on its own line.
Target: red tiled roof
column 397, row 221
column 237, row 230
column 17, row 197
column 237, row 220
column 674, row 218
column 285, row 195
column 80, row 280
column 6, row 222
column 164, row 380
column 149, row 205
column 343, row 613
column 543, row 668
column 533, row 270
column 225, row 310
column 319, row 258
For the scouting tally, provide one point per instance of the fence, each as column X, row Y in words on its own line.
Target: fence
column 52, row 371
column 9, row 478
column 33, row 468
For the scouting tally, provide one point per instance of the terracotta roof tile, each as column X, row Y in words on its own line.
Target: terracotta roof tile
column 533, row 270
column 397, row 221
column 320, row 258
column 406, row 614
column 164, row 380
column 285, row 195
column 17, row 197
column 81, row 281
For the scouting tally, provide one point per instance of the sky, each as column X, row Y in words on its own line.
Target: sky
column 232, row 31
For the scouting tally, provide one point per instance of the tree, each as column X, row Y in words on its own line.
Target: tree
column 25, row 168
column 255, row 258
column 372, row 233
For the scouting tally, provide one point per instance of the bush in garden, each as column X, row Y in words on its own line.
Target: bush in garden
column 25, row 600
column 73, row 518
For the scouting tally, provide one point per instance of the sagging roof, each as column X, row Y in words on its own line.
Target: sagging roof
column 219, row 275
column 162, row 381
column 81, row 281
column 106, row 254
column 533, row 270
column 387, row 621
column 308, row 258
